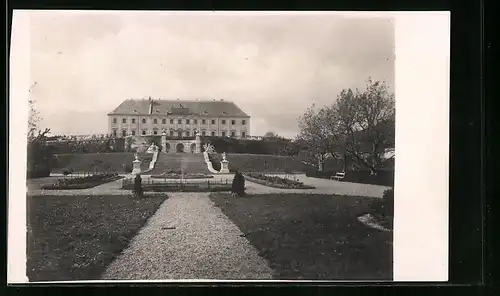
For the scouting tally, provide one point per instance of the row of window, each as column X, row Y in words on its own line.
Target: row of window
column 179, row 121
column 179, row 134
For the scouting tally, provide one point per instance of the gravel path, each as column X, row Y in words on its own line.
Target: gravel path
column 323, row 186
column 204, row 244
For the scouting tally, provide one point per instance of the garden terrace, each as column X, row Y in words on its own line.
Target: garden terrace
column 275, row 181
column 83, row 182
column 98, row 162
column 318, row 237
column 77, row 238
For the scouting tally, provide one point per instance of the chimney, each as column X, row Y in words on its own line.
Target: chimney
column 150, row 106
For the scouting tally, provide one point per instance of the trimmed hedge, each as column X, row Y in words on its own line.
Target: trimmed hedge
column 266, row 146
column 265, row 163
column 38, row 173
column 384, row 177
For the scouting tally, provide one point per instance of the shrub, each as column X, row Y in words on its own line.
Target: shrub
column 384, row 207
column 215, row 162
column 127, row 168
column 388, row 202
column 138, row 192
column 238, row 185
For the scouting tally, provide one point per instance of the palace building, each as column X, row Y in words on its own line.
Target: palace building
column 178, row 118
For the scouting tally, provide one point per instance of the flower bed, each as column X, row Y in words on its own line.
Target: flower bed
column 82, row 182
column 277, row 182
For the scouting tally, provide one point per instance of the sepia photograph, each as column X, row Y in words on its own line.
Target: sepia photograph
column 207, row 146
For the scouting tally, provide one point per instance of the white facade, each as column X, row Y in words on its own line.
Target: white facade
column 178, row 125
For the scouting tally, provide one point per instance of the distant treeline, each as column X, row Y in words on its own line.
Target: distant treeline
column 103, row 144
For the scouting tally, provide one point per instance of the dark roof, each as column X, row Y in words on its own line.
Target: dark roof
column 207, row 108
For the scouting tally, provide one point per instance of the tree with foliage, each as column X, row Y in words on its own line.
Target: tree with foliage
column 359, row 125
column 366, row 122
column 271, row 136
column 318, row 133
column 129, row 141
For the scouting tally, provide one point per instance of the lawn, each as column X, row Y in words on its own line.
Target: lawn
column 313, row 236
column 77, row 237
column 114, row 161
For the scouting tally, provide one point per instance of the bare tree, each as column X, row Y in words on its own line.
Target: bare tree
column 39, row 155
column 34, row 119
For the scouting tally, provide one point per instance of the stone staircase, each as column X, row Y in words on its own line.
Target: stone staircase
column 190, row 162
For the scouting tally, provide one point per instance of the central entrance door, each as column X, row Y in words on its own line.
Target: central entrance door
column 179, row 148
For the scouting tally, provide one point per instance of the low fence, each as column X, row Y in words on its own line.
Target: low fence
column 179, row 185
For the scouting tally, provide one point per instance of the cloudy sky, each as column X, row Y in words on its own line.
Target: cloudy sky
column 272, row 66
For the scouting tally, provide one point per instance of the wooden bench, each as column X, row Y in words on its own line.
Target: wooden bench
column 338, row 176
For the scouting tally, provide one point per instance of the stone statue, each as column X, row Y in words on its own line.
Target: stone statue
column 209, row 148
column 153, row 148
column 224, row 156
column 136, row 156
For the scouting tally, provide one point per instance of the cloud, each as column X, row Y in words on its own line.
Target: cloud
column 273, row 67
